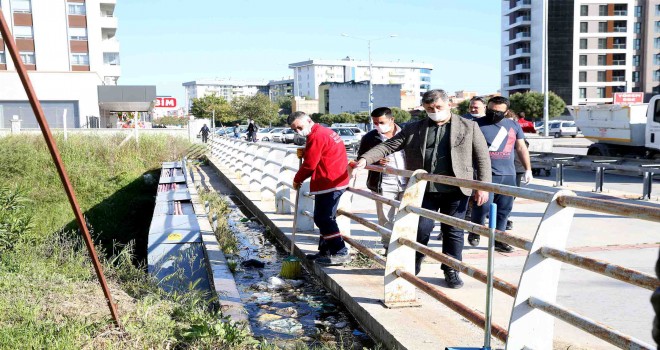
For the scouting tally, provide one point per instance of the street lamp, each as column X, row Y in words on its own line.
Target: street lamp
column 371, row 88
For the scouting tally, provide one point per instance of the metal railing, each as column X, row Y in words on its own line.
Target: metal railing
column 534, row 307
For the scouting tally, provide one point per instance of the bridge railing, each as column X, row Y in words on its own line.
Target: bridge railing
column 269, row 169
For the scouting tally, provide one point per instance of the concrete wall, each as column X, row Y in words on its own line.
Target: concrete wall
column 353, row 98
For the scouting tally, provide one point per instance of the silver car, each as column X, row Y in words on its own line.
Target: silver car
column 351, row 141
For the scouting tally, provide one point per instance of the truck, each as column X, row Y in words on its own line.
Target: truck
column 620, row 130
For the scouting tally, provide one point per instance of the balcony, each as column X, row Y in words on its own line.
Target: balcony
column 620, row 29
column 110, row 70
column 108, row 2
column 621, row 13
column 618, row 78
column 619, row 46
column 108, row 22
column 519, row 5
column 619, row 62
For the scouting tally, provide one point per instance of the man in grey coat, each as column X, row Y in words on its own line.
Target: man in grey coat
column 443, row 144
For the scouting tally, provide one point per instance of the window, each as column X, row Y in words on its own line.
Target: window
column 23, row 32
column 635, row 61
column 637, row 43
column 601, row 76
column 635, row 76
column 602, row 43
column 602, row 27
column 602, row 60
column 657, row 10
column 584, row 10
column 22, row 6
column 656, row 59
column 76, row 8
column 583, row 44
column 79, row 59
column 657, row 26
column 600, row 92
column 602, row 10
column 28, row 57
column 112, row 58
column 584, row 27
column 656, row 75
column 78, row 33
column 583, row 92
column 583, row 60
column 425, row 71
column 638, row 11
column 583, row 76
column 620, row 43
column 2, row 58
column 638, row 27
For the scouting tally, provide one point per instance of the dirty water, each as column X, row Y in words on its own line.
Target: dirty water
column 285, row 312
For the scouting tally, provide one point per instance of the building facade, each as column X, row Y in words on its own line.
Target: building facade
column 595, row 48
column 71, row 48
column 415, row 78
column 280, row 88
column 226, row 88
column 352, row 97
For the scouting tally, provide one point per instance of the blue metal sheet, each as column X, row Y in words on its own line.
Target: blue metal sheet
column 167, row 208
column 168, row 165
column 173, row 196
column 172, row 223
column 172, row 179
column 179, row 266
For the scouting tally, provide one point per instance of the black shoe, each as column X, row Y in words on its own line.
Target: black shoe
column 418, row 264
column 313, row 257
column 509, row 225
column 452, row 279
column 473, row 239
column 439, row 236
column 343, row 256
column 503, row 247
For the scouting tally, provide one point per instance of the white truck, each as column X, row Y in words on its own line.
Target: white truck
column 621, row 130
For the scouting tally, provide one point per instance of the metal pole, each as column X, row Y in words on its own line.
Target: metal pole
column 213, row 124
column 66, row 136
column 135, row 127
column 546, row 112
column 492, row 222
column 371, row 88
column 54, row 152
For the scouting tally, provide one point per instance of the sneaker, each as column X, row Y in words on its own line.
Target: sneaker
column 503, row 247
column 473, row 239
column 509, row 225
column 313, row 257
column 452, row 279
column 343, row 256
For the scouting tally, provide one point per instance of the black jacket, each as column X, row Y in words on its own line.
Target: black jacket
column 369, row 141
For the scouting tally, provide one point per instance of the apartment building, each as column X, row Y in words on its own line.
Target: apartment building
column 280, row 88
column 595, row 48
column 226, row 88
column 352, row 97
column 70, row 48
column 414, row 77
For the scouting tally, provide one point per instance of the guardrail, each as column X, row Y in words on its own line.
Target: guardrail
column 269, row 169
column 627, row 166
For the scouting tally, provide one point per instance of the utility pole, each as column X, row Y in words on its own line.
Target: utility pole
column 546, row 106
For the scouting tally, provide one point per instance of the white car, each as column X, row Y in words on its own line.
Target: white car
column 358, row 132
column 559, row 128
column 269, row 135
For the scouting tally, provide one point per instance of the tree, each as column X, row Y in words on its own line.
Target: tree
column 284, row 102
column 203, row 107
column 463, row 108
column 532, row 104
column 258, row 107
column 400, row 116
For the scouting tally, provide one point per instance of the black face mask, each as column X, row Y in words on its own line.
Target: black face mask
column 494, row 116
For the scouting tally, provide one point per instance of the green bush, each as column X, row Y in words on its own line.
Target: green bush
column 15, row 220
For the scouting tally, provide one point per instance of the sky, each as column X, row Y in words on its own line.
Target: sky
column 168, row 42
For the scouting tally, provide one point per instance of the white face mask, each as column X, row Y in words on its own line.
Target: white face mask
column 439, row 117
column 383, row 128
column 304, row 132
column 476, row 115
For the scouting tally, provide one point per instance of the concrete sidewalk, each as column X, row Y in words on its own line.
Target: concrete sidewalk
column 624, row 241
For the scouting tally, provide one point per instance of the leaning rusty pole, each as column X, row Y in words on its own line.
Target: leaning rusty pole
column 52, row 147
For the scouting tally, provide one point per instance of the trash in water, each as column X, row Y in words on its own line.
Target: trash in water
column 245, row 219
column 286, row 325
column 253, row 263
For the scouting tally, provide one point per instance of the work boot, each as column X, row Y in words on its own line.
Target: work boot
column 343, row 256
column 452, row 279
column 313, row 257
column 503, row 247
column 473, row 239
column 509, row 225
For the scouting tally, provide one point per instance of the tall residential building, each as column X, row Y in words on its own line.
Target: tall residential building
column 414, row 77
column 70, row 47
column 595, row 48
column 227, row 88
column 280, row 88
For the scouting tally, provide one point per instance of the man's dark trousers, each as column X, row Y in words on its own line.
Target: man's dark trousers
column 504, row 203
column 453, row 204
column 325, row 218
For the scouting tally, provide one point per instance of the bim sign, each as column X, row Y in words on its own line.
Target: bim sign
column 166, row 102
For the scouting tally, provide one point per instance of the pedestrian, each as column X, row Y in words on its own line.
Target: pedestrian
column 386, row 185
column 324, row 160
column 237, row 131
column 205, row 133
column 252, row 131
column 477, row 108
column 504, row 137
column 443, row 144
column 520, row 168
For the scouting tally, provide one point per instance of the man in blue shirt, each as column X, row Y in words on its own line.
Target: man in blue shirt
column 504, row 137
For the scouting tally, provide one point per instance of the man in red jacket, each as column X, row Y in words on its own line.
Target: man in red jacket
column 325, row 161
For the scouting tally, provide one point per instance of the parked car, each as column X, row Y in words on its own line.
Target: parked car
column 559, row 128
column 351, row 141
column 299, row 140
column 358, row 132
column 268, row 135
column 287, row 136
